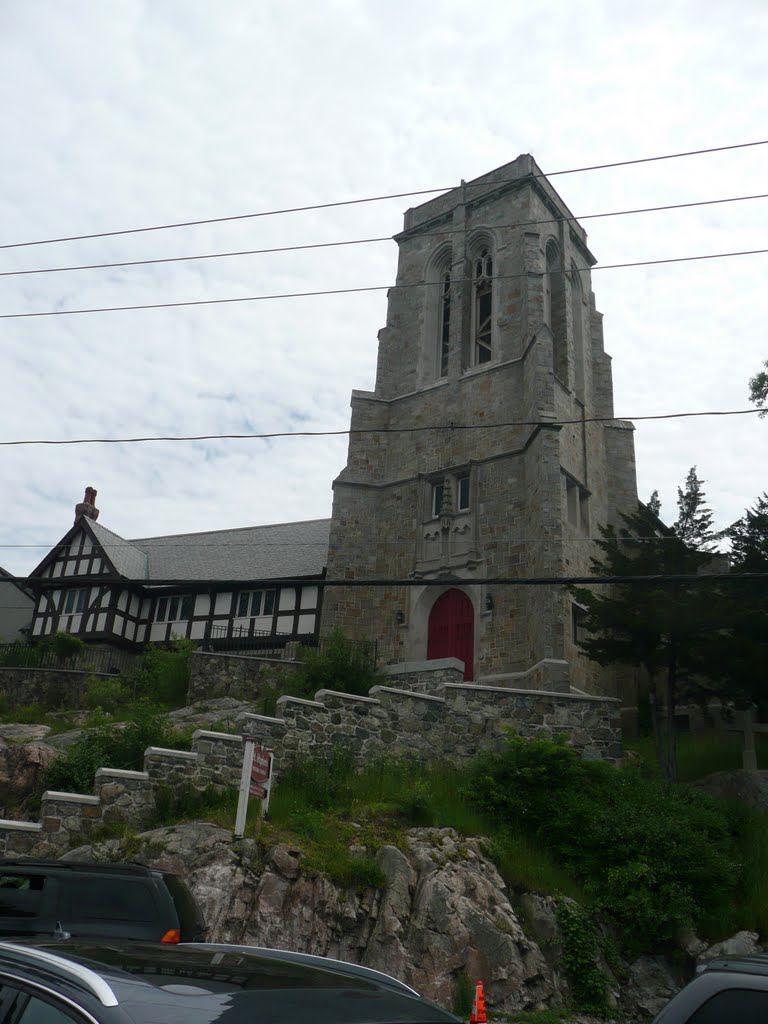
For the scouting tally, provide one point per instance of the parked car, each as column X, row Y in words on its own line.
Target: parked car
column 727, row 989
column 61, row 982
column 121, row 901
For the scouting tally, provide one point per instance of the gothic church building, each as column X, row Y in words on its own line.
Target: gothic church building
column 478, row 455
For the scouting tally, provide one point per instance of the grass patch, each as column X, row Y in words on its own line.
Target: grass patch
column 702, row 754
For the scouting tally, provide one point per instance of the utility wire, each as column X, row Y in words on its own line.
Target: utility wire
column 68, row 582
column 366, row 241
column 382, row 430
column 365, row 288
column 379, row 198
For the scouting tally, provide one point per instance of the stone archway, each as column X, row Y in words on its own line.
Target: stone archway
column 452, row 630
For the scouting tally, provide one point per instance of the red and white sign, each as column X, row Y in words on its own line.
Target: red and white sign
column 256, row 781
column 259, row 770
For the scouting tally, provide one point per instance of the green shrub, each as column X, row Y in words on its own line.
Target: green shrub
column 463, row 995
column 110, row 746
column 649, row 856
column 581, row 958
column 106, row 694
column 161, row 674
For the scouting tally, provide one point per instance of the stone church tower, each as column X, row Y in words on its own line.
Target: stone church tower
column 492, row 340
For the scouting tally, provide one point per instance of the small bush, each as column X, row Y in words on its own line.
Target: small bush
column 463, row 995
column 110, row 746
column 161, row 675
column 108, row 695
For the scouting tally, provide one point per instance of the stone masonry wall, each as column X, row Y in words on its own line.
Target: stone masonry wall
column 214, row 674
column 127, row 796
column 51, row 687
column 454, row 722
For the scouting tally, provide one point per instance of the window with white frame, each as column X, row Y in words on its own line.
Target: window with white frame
column 450, row 493
column 175, row 608
column 482, row 312
column 252, row 603
column 74, row 602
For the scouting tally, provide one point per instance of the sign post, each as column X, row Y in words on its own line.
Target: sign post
column 256, row 780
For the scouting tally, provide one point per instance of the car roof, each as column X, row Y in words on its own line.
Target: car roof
column 341, row 966
column 755, row 964
column 107, row 868
column 146, row 980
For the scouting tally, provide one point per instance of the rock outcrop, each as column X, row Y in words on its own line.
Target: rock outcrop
column 444, row 913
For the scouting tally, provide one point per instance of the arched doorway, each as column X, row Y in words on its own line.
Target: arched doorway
column 452, row 630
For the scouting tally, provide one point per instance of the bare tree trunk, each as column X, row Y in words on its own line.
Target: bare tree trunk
column 656, row 723
column 671, row 687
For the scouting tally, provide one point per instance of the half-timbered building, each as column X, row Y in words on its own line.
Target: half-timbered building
column 257, row 584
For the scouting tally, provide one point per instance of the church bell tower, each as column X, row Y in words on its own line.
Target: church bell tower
column 477, row 456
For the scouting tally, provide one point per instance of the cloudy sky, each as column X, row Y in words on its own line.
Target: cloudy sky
column 146, row 112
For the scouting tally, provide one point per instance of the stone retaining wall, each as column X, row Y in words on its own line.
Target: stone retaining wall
column 124, row 796
column 454, row 723
column 216, row 674
column 49, row 687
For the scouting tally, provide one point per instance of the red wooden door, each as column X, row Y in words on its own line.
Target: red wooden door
column 452, row 630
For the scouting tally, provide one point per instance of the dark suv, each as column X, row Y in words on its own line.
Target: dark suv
column 110, row 982
column 122, row 901
column 727, row 990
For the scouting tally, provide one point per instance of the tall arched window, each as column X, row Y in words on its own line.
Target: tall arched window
column 577, row 320
column 438, row 314
column 482, row 307
column 554, row 310
column 444, row 321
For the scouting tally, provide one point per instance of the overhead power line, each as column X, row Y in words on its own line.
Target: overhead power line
column 380, row 430
column 379, row 198
column 367, row 241
column 364, row 288
column 69, row 582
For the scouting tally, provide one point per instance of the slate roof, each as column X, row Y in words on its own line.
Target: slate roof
column 247, row 553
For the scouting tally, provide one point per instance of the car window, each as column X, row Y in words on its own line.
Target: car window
column 745, row 1006
column 108, row 899
column 38, row 1011
column 21, row 895
column 191, row 918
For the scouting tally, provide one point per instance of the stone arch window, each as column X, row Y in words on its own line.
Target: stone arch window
column 481, row 341
column 577, row 322
column 440, row 303
column 554, row 309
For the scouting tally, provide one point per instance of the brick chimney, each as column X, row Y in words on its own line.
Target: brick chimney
column 87, row 507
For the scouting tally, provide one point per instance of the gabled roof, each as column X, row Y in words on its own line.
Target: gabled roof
column 247, row 553
column 6, row 577
column 128, row 559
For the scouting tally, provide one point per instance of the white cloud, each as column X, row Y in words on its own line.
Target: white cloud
column 139, row 113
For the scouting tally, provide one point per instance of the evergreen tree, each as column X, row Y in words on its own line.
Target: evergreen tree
column 659, row 625
column 758, row 389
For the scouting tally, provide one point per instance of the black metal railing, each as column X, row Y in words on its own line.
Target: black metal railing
column 265, row 644
column 89, row 659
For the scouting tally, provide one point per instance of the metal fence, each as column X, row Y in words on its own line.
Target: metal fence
column 262, row 643
column 89, row 659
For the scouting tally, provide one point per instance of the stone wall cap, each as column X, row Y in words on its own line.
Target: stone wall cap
column 208, row 734
column 70, row 798
column 287, row 699
column 354, row 698
column 246, row 657
column 436, row 665
column 553, row 694
column 407, row 693
column 21, row 826
column 122, row 773
column 249, row 716
column 182, row 755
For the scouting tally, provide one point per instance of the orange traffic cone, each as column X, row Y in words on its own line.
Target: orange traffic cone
column 478, row 1015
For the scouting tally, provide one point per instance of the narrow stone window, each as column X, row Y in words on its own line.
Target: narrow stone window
column 445, row 321
column 462, row 493
column 438, row 493
column 482, row 345
column 554, row 310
